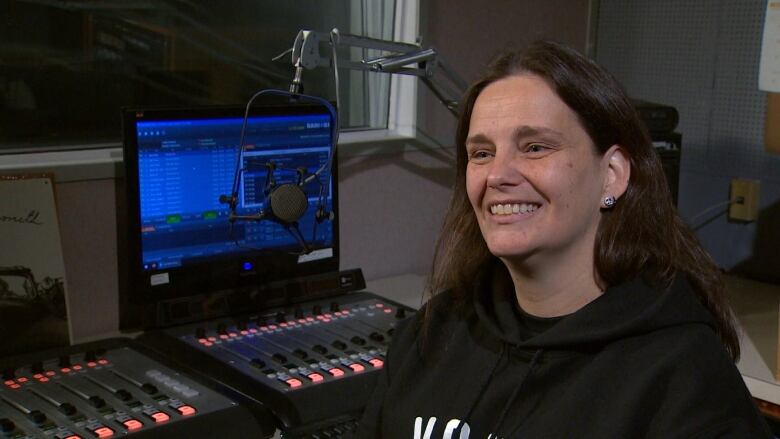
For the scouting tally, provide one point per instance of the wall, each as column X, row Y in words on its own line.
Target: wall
column 391, row 203
column 703, row 57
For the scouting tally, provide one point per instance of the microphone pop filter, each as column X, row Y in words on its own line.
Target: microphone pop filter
column 288, row 202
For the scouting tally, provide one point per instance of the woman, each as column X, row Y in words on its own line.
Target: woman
column 575, row 303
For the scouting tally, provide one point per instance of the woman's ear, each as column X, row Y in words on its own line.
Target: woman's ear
column 618, row 165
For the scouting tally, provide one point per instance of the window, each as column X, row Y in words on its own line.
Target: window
column 68, row 66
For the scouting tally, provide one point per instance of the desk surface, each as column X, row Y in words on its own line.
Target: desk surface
column 756, row 304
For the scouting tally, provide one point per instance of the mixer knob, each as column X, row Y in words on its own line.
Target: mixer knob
column 390, row 331
column 258, row 363
column 148, row 388
column 241, row 325
column 97, row 401
column 298, row 313
column 377, row 337
column 300, row 353
column 401, row 313
column 334, row 306
column 280, row 317
column 64, row 361
column 67, row 409
column 320, row 349
column 7, row 425
column 37, row 367
column 279, row 358
column 123, row 395
column 200, row 332
column 9, row 373
column 360, row 341
column 221, row 329
column 316, row 310
column 261, row 321
column 37, row 417
column 338, row 344
column 90, row 356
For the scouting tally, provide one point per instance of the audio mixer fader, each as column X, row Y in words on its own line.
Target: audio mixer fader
column 110, row 389
column 314, row 363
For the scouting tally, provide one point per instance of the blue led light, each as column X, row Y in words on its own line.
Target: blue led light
column 247, row 266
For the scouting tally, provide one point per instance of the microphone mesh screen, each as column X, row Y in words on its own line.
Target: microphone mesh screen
column 288, row 203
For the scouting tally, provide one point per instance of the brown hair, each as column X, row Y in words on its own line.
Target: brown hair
column 641, row 236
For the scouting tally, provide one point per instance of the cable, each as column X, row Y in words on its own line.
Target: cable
column 334, row 40
column 737, row 200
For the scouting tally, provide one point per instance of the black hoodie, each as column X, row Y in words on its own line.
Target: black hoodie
column 637, row 362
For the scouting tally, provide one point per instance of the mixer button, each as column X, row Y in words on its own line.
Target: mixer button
column 293, row 382
column 132, row 424
column 360, row 341
column 315, row 377
column 338, row 344
column 7, row 425
column 189, row 393
column 66, row 434
column 391, row 331
column 123, row 395
column 320, row 349
column 9, row 382
column 357, row 367
column 258, row 363
column 101, row 431
column 376, row 362
column 336, row 372
column 156, row 415
column 186, row 410
column 377, row 337
column 279, row 358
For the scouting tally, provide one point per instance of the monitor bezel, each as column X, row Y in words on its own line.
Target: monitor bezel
column 140, row 302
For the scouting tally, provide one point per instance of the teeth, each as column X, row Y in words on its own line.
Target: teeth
column 508, row 209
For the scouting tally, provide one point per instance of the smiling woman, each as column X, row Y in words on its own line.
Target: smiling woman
column 570, row 300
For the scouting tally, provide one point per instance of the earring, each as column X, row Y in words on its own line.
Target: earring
column 609, row 202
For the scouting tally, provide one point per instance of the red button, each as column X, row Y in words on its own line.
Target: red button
column 357, row 367
column 301, row 320
column 103, row 432
column 77, row 367
column 388, row 310
column 103, row 361
column 21, row 380
column 202, row 340
column 38, row 376
column 9, row 382
column 376, row 362
column 133, row 424
column 233, row 334
column 253, row 330
column 91, row 364
column 315, row 377
column 244, row 332
column 14, row 386
column 160, row 417
column 293, row 382
column 380, row 305
column 43, row 380
column 186, row 410
column 336, row 372
column 50, row 373
column 271, row 326
column 65, row 370
column 73, row 437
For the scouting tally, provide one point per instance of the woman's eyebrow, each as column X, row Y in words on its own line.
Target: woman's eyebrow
column 520, row 132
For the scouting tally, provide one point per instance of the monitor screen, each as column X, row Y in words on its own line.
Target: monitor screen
column 179, row 162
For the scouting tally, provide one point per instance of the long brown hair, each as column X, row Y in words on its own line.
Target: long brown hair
column 641, row 236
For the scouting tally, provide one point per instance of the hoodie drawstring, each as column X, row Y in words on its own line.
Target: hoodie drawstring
column 484, row 385
column 518, row 389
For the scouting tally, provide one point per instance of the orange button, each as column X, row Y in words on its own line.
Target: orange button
column 336, row 372
column 133, row 424
column 357, row 367
column 376, row 362
column 160, row 417
column 293, row 382
column 186, row 410
column 103, row 432
column 315, row 377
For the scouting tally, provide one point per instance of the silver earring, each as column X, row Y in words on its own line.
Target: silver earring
column 609, row 202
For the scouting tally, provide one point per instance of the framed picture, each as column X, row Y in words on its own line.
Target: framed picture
column 33, row 299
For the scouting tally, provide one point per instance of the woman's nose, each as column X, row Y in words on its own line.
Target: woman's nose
column 504, row 171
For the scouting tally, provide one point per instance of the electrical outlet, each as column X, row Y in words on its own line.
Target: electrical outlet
column 749, row 191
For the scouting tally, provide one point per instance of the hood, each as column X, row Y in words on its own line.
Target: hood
column 629, row 309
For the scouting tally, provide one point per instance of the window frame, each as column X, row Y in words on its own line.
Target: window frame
column 97, row 161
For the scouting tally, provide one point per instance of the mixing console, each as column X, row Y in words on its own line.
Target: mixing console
column 108, row 389
column 314, row 363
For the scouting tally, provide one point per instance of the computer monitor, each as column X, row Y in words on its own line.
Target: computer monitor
column 181, row 247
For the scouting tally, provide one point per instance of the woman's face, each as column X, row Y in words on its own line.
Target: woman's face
column 534, row 177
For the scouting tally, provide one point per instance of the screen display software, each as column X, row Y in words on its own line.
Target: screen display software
column 185, row 164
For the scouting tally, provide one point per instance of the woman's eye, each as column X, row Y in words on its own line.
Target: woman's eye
column 535, row 147
column 479, row 155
